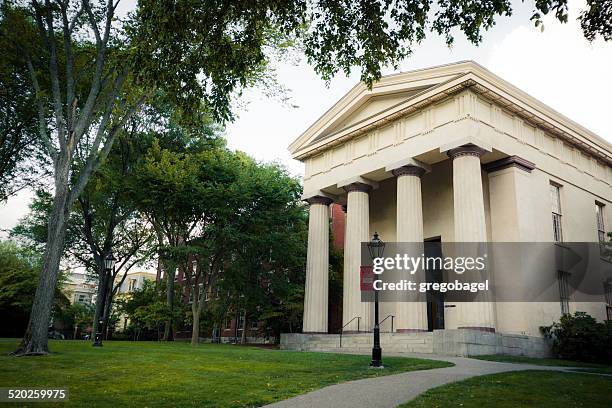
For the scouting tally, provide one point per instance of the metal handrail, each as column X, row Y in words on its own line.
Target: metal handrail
column 349, row 322
column 383, row 320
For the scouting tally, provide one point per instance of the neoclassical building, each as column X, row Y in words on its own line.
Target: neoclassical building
column 451, row 153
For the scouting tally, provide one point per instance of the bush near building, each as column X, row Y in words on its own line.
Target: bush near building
column 580, row 337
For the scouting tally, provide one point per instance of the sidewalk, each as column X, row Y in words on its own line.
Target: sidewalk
column 392, row 390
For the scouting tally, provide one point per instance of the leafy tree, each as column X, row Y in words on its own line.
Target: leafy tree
column 19, row 121
column 19, row 269
column 146, row 308
column 177, row 189
column 76, row 317
column 267, row 240
column 103, row 221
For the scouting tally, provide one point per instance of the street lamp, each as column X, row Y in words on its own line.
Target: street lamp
column 376, row 247
column 109, row 265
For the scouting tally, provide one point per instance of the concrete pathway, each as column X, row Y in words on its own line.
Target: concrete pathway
column 392, row 390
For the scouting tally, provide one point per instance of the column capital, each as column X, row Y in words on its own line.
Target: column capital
column 361, row 187
column 408, row 166
column 409, row 171
column 511, row 161
column 319, row 200
column 466, row 150
column 357, row 183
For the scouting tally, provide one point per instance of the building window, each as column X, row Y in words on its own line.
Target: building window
column 599, row 214
column 131, row 285
column 227, row 324
column 254, row 325
column 608, row 291
column 564, row 291
column 241, row 321
column 555, row 195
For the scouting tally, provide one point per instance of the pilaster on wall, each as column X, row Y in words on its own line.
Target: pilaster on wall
column 513, row 219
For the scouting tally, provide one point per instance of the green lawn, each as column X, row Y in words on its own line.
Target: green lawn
column 588, row 367
column 539, row 389
column 178, row 375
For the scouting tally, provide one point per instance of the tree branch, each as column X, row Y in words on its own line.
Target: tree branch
column 42, row 122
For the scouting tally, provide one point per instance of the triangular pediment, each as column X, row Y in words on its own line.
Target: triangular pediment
column 361, row 103
column 367, row 109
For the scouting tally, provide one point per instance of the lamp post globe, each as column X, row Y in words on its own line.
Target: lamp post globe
column 109, row 261
column 376, row 248
column 109, row 265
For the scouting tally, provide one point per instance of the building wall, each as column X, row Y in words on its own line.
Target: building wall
column 337, row 226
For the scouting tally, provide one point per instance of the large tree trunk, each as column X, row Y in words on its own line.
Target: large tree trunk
column 35, row 339
column 244, row 329
column 168, row 329
column 195, row 330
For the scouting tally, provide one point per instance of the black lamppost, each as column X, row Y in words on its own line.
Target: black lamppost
column 376, row 247
column 109, row 264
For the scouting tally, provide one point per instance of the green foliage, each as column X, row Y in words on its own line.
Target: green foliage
column 19, row 269
column 19, row 127
column 596, row 20
column 241, row 220
column 75, row 319
column 32, row 230
column 206, row 52
column 265, row 240
column 582, row 338
column 18, row 276
column 231, row 39
column 146, row 308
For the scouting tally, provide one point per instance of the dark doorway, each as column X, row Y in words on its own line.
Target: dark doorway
column 435, row 300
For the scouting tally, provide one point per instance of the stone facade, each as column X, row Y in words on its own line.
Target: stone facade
column 455, row 154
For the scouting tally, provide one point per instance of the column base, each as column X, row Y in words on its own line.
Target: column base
column 314, row 332
column 479, row 328
column 410, row 330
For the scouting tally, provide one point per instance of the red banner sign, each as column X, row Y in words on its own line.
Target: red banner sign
column 367, row 278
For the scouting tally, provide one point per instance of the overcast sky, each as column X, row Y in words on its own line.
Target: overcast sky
column 556, row 66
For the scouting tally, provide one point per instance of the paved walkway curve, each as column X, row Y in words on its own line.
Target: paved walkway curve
column 392, row 390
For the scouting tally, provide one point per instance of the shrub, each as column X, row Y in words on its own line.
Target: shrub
column 580, row 337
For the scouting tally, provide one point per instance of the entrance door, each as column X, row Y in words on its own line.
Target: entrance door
column 435, row 300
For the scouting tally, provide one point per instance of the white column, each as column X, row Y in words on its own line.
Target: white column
column 470, row 225
column 357, row 231
column 317, row 267
column 410, row 316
